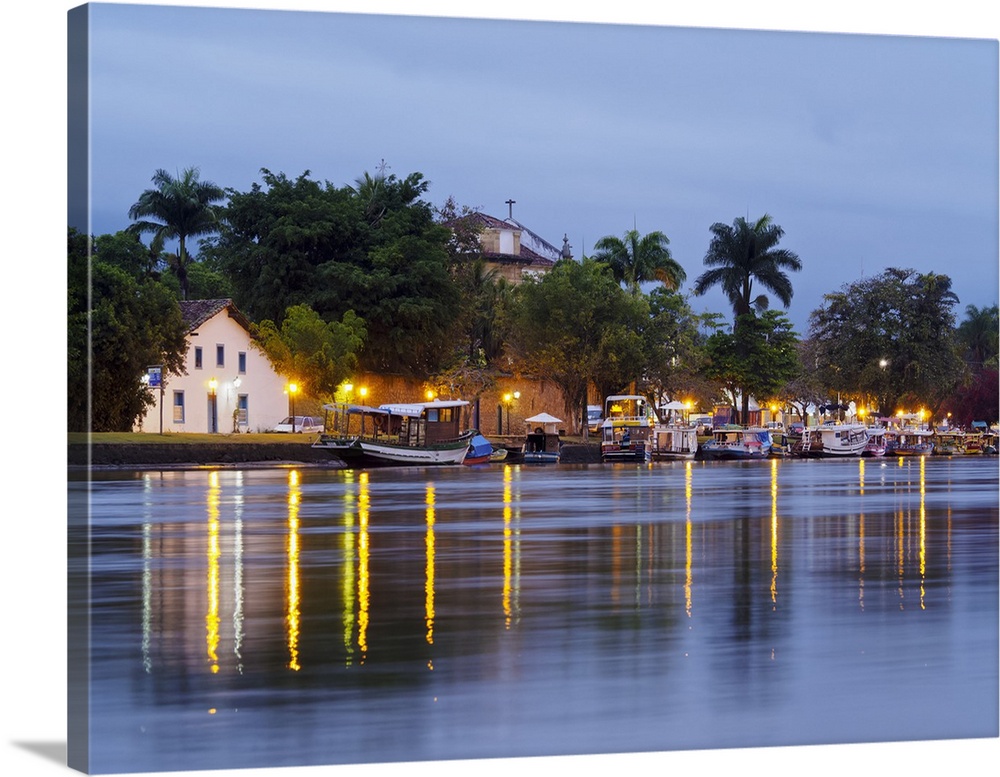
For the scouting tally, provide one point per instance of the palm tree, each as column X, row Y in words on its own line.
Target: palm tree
column 636, row 259
column 745, row 253
column 740, row 255
column 978, row 333
column 180, row 208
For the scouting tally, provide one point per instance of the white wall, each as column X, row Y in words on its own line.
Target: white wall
column 267, row 402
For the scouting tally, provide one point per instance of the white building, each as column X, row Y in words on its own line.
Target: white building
column 229, row 384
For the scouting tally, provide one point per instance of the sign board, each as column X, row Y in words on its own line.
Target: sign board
column 155, row 376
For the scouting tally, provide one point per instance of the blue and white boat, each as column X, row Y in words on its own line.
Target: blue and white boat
column 736, row 442
column 542, row 444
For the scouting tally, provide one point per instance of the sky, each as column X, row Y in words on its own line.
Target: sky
column 870, row 137
column 868, row 150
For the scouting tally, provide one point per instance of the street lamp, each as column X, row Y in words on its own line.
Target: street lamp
column 292, row 389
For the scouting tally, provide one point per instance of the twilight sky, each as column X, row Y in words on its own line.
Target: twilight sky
column 869, row 150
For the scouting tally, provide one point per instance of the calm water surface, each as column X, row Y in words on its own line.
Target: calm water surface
column 274, row 617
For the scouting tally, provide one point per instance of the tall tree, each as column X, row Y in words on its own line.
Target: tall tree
column 759, row 357
column 744, row 254
column 890, row 337
column 576, row 326
column 178, row 208
column 637, row 258
column 120, row 323
column 740, row 256
column 978, row 335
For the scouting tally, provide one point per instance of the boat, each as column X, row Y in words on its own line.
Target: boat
column 908, row 442
column 782, row 442
column 542, row 444
column 480, row 451
column 627, row 429
column 876, row 442
column 674, row 441
column 832, row 440
column 950, row 442
column 418, row 433
column 731, row 442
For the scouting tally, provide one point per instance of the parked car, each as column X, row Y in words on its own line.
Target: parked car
column 306, row 424
column 594, row 419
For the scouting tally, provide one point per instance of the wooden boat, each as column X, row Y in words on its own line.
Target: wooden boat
column 832, row 441
column 955, row 442
column 627, row 429
column 736, row 442
column 674, row 442
column 908, row 442
column 419, row 433
column 480, row 451
column 876, row 442
column 542, row 444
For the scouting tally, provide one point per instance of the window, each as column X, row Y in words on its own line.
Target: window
column 243, row 363
column 220, row 356
column 178, row 407
column 242, row 410
column 197, row 357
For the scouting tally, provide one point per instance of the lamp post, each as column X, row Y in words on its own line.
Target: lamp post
column 292, row 389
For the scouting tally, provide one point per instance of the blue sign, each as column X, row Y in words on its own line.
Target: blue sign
column 154, row 374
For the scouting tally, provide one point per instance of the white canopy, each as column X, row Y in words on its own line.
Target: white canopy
column 543, row 418
column 675, row 405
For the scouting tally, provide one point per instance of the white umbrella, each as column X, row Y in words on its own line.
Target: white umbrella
column 543, row 418
column 675, row 405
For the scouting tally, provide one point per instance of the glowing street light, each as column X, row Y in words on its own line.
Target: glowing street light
column 292, row 390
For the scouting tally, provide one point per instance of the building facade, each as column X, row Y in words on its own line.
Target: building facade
column 512, row 249
column 229, row 385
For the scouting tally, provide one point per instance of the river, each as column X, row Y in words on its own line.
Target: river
column 295, row 616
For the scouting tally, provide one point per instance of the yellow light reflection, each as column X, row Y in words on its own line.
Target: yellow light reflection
column 347, row 584
column 214, row 553
column 923, row 534
column 507, row 549
column 238, row 574
column 774, row 531
column 688, row 556
column 429, row 574
column 294, row 615
column 363, row 572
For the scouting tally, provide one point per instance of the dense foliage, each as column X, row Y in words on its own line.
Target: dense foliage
column 890, row 340
column 374, row 248
column 121, row 321
column 316, row 355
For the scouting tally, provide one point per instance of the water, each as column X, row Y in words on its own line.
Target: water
column 277, row 617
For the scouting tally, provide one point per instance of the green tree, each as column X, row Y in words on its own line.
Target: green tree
column 675, row 348
column 637, row 258
column 317, row 354
column 374, row 249
column 573, row 326
column 744, row 254
column 758, row 357
column 118, row 326
column 178, row 208
column 890, row 337
column 978, row 336
column 741, row 256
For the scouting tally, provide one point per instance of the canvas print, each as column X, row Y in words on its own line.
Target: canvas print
column 450, row 390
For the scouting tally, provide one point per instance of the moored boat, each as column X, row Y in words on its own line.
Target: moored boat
column 418, row 433
column 627, row 429
column 908, row 442
column 832, row 441
column 480, row 451
column 542, row 444
column 876, row 442
column 674, row 442
column 736, row 442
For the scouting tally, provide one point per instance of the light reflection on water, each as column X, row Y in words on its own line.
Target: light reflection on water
column 296, row 616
